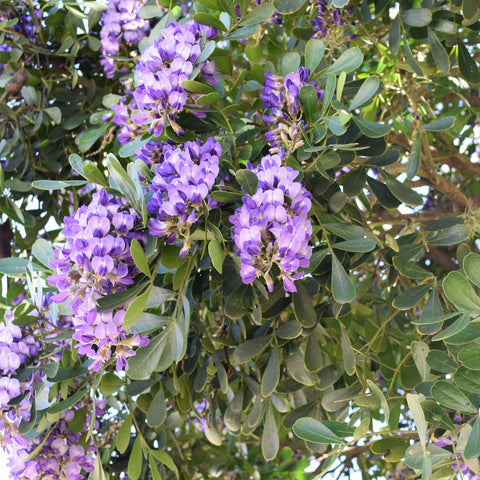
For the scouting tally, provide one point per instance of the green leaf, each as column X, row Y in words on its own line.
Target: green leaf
column 166, row 459
column 401, row 191
column 88, row 138
column 313, row 354
column 441, row 362
column 419, row 353
column 409, row 269
column 314, row 50
column 414, row 456
column 118, row 174
column 411, row 60
column 270, row 441
column 109, row 384
column 226, row 197
column 68, row 402
column 435, row 415
column 303, row 307
column 247, row 180
column 382, row 193
column 348, row 353
column 414, row 158
column 157, row 413
column 450, row 236
column 460, row 292
column 472, row 448
column 289, row 330
column 312, row 430
column 55, row 114
column 343, row 289
column 208, row 99
column 217, row 254
column 366, row 91
column 42, row 250
column 468, row 380
column 196, row 87
column 417, row 17
column 439, row 53
column 360, row 245
column 57, row 184
column 469, row 357
column 457, row 326
column 413, row 401
column 371, row 129
column 471, row 267
column 210, row 20
column 251, row 348
column 94, row 175
column 63, row 374
column 135, row 309
column 244, row 32
column 146, row 358
column 381, row 399
column 309, row 100
column 439, row 125
column 285, row 7
column 135, row 460
column 348, row 61
column 394, row 35
column 110, row 302
column 139, row 257
column 329, row 92
column 259, row 14
column 449, row 396
column 271, row 375
column 296, row 368
column 233, row 413
column 290, row 63
column 468, row 67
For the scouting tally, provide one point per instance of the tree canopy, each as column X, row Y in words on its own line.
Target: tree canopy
column 238, row 239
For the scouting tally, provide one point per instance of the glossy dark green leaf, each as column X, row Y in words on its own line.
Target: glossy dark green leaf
column 411, row 297
column 110, row 383
column 249, row 349
column 296, row 368
column 196, row 87
column 410, row 59
column 471, row 267
column 360, row 245
column 211, row 98
column 63, row 374
column 210, row 20
column 343, row 289
column 450, row 236
column 472, row 448
column 468, row 67
column 348, row 61
column 371, row 129
column 383, row 194
column 468, row 380
column 271, row 375
column 394, row 35
column 443, row 123
column 217, row 254
column 312, row 430
column 303, row 307
column 459, row 292
column 270, row 440
column 435, row 415
column 366, row 91
column 414, row 158
column 417, row 17
column 441, row 362
column 285, row 7
column 449, row 396
column 146, row 358
column 314, row 50
column 313, row 354
column 401, row 191
column 439, row 53
column 309, row 101
column 460, row 324
column 247, row 180
column 329, row 92
column 68, row 403
column 135, row 460
column 409, row 269
column 289, row 330
column 139, row 257
column 469, row 357
column 258, row 14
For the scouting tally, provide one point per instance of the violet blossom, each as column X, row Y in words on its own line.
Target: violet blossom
column 272, row 227
column 181, row 187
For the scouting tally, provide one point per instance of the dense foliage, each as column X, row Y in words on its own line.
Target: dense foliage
column 238, row 239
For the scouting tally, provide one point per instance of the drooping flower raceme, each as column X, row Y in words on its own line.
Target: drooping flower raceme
column 272, row 227
column 122, row 29
column 181, row 186
column 281, row 95
column 163, row 67
column 95, row 261
column 329, row 23
column 129, row 130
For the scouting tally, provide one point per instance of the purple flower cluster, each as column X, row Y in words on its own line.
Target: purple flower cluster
column 272, row 226
column 129, row 130
column 281, row 95
column 61, row 455
column 163, row 67
column 122, row 28
column 151, row 152
column 95, row 261
column 180, row 188
column 329, row 24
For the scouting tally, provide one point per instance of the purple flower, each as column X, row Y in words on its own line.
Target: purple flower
column 180, row 188
column 328, row 24
column 95, row 261
column 163, row 67
column 281, row 96
column 272, row 226
column 122, row 28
